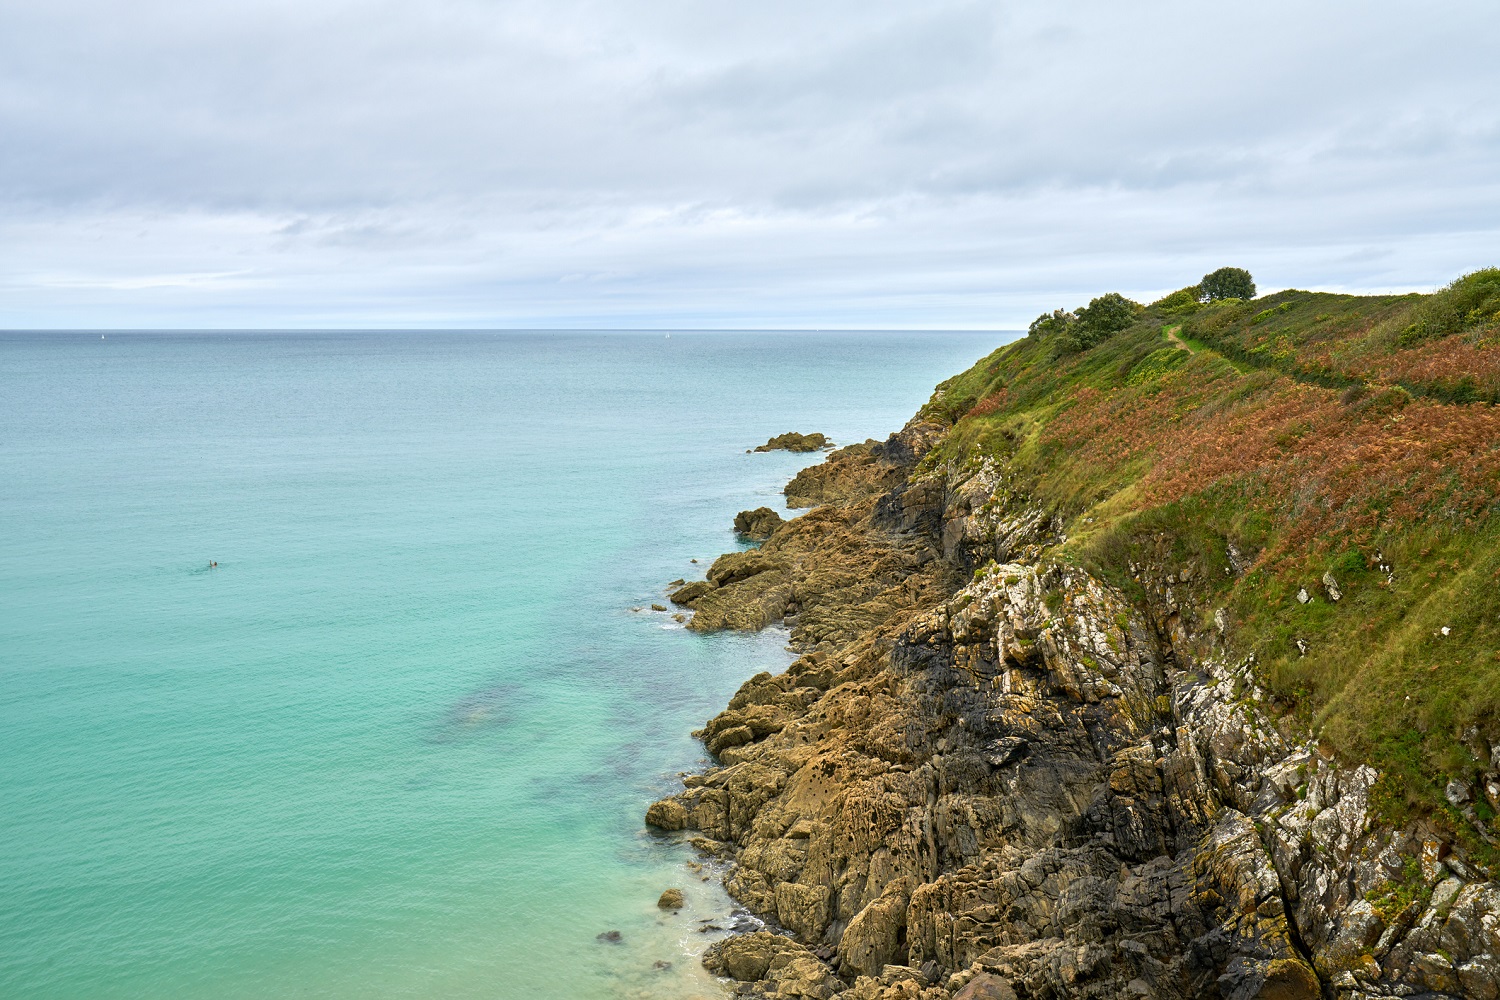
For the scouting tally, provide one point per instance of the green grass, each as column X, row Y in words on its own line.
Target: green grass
column 1378, row 681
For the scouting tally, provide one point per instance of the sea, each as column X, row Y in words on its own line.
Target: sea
column 328, row 663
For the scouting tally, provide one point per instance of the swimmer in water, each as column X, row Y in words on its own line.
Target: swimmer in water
column 212, row 564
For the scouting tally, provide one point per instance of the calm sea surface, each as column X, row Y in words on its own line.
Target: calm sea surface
column 399, row 743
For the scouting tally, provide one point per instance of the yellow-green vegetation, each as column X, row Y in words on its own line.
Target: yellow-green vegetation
column 1323, row 468
column 1395, row 896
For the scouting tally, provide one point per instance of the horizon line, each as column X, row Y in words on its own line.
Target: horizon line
column 510, row 329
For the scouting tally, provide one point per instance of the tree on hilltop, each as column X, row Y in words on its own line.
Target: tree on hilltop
column 1227, row 283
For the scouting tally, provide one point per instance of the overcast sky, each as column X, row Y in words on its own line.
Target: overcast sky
column 570, row 163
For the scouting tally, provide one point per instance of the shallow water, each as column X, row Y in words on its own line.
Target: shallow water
column 399, row 742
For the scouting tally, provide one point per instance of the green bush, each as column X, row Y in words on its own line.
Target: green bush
column 1108, row 314
column 1472, row 300
column 1226, row 283
column 1048, row 324
column 1182, row 300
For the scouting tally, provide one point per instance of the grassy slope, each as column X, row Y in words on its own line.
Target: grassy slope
column 1306, row 434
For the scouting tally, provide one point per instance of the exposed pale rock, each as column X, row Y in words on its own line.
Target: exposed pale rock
column 1331, row 587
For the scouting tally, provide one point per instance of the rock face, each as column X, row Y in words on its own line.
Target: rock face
column 792, row 441
column 1017, row 783
column 757, row 524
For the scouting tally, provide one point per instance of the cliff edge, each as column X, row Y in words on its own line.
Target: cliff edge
column 1122, row 675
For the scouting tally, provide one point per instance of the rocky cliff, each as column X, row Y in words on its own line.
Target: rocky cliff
column 994, row 773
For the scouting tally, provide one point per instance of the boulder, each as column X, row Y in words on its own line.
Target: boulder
column 757, row 524
column 748, row 957
column 671, row 899
column 668, row 814
column 986, row 987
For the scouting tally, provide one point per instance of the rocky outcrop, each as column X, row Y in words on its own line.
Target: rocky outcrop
column 757, row 524
column 837, row 572
column 862, row 470
column 990, row 774
column 792, row 441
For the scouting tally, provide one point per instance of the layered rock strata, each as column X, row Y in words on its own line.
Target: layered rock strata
column 1013, row 782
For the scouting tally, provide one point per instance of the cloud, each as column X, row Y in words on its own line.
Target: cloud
column 367, row 162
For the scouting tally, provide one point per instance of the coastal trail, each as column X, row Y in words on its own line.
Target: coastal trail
column 1176, row 341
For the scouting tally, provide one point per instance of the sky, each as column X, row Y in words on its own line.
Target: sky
column 697, row 163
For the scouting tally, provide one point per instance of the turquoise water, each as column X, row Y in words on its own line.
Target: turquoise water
column 399, row 743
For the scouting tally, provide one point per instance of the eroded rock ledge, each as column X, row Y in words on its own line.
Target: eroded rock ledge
column 1016, row 783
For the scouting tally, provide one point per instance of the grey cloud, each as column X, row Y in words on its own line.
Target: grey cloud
column 356, row 162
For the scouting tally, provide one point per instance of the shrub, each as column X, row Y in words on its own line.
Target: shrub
column 1226, row 283
column 1106, row 315
column 1472, row 300
column 1047, row 324
column 1182, row 300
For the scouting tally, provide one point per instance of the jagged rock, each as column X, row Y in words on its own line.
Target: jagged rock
column 671, row 899
column 734, row 736
column 802, row 909
column 788, row 969
column 1017, row 780
column 873, row 937
column 986, row 987
column 734, row 567
column 746, row 604
column 757, row 524
column 861, row 470
column 746, row 958
column 689, row 594
column 667, row 814
column 792, row 441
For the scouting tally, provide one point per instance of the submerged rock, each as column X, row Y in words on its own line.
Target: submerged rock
column 609, row 937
